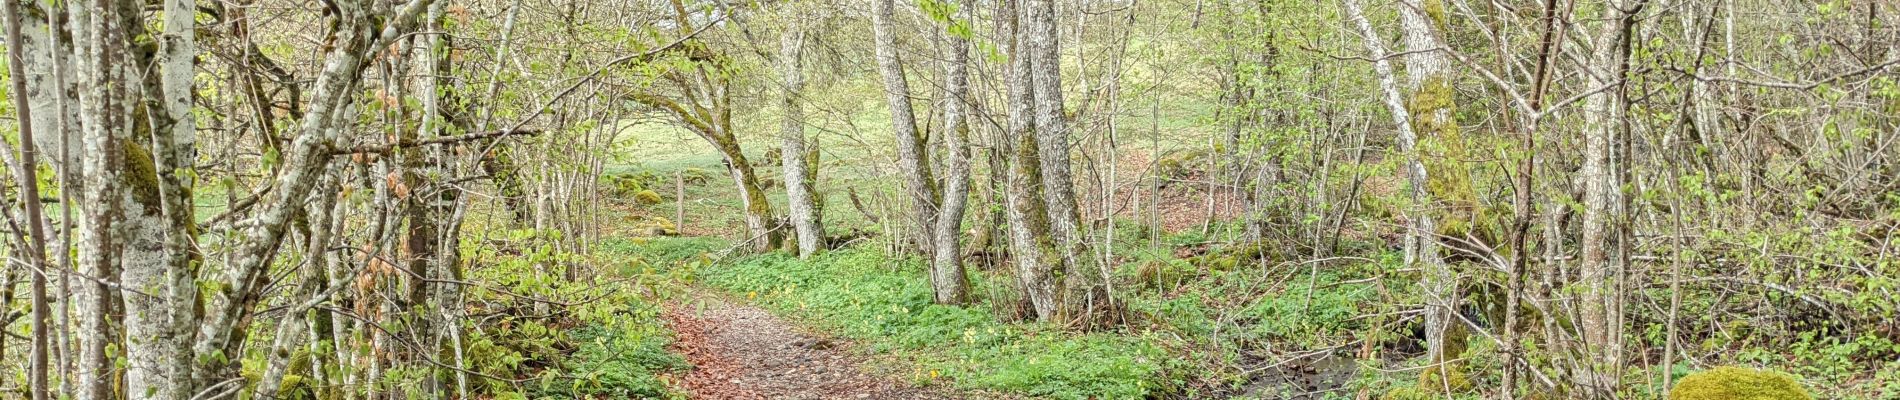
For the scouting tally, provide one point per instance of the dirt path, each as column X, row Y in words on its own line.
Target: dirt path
column 743, row 352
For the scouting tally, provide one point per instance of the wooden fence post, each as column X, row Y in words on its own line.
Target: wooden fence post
column 679, row 202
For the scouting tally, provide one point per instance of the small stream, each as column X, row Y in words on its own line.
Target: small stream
column 1303, row 380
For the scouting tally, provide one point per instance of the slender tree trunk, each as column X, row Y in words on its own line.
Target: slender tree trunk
column 500, row 163
column 1419, row 229
column 172, row 228
column 1521, row 229
column 1599, row 269
column 912, row 158
column 6, row 297
column 291, row 330
column 947, row 276
column 28, row 170
column 63, row 98
column 97, row 33
column 1082, row 290
column 799, row 191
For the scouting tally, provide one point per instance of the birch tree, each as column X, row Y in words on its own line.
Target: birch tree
column 912, row 157
column 1418, row 225
column 1083, row 291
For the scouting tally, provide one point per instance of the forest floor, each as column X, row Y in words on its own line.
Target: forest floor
column 743, row 352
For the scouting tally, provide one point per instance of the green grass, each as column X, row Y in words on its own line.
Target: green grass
column 865, row 295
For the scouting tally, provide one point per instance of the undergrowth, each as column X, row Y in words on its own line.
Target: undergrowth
column 570, row 325
column 883, row 302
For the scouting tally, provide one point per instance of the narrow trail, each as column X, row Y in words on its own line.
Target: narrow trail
column 743, row 352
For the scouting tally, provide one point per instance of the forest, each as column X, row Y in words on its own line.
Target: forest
column 950, row 199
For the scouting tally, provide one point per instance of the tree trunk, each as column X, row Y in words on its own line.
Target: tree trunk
column 912, row 158
column 946, row 272
column 759, row 219
column 1434, row 131
column 1083, row 290
column 1599, row 270
column 316, row 261
column 500, row 163
column 1420, row 232
column 799, row 191
column 35, row 248
column 1037, row 263
column 100, row 115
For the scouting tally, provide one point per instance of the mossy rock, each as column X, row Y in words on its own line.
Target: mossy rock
column 656, row 226
column 632, row 183
column 1737, row 383
column 695, row 175
column 1406, row 393
column 1181, row 163
column 773, row 156
column 648, row 197
column 1453, row 378
column 1156, row 275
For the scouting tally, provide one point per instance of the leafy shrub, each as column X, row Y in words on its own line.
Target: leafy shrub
column 615, row 362
column 605, row 343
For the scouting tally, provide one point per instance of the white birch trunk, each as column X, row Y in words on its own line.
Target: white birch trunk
column 1081, row 288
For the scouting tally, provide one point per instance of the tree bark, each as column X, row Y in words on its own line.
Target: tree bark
column 1434, row 131
column 98, row 38
column 1420, row 232
column 1599, row 270
column 1039, row 267
column 947, row 276
column 800, row 192
column 1082, row 292
column 28, row 170
column 912, row 158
